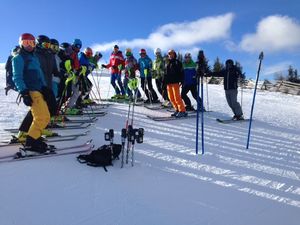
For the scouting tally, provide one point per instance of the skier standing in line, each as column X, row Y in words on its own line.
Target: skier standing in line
column 116, row 63
column 190, row 82
column 231, row 75
column 145, row 67
column 158, row 73
column 30, row 81
column 131, row 66
column 173, row 78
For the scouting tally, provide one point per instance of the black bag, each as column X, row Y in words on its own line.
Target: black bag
column 101, row 157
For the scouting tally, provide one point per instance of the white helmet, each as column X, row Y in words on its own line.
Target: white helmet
column 157, row 50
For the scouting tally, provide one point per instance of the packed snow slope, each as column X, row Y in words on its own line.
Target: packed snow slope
column 169, row 184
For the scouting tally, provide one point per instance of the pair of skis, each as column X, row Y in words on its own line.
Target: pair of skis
column 59, row 138
column 54, row 151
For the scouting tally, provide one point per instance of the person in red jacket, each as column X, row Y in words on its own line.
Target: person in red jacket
column 116, row 63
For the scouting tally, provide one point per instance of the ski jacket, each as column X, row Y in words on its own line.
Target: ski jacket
column 231, row 77
column 190, row 73
column 27, row 72
column 174, row 72
column 84, row 61
column 48, row 65
column 158, row 68
column 116, row 60
column 131, row 65
column 143, row 64
column 75, row 60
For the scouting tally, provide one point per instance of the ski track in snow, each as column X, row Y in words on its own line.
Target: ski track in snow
column 169, row 183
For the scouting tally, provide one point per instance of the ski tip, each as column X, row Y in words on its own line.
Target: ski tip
column 89, row 142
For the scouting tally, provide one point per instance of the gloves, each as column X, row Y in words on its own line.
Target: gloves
column 26, row 97
column 103, row 66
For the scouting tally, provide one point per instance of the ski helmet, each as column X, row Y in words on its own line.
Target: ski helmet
column 143, row 51
column 43, row 41
column 229, row 62
column 27, row 41
column 128, row 52
column 66, row 48
column 77, row 43
column 157, row 51
column 188, row 55
column 54, row 41
column 88, row 52
column 172, row 52
column 54, row 45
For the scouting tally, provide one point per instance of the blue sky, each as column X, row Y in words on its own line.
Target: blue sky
column 236, row 29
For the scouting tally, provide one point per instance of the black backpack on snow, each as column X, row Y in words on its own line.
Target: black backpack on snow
column 101, row 157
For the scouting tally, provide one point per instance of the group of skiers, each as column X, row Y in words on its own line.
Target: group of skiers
column 174, row 78
column 53, row 78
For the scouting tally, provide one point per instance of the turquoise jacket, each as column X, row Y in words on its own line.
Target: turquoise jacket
column 27, row 72
column 145, row 63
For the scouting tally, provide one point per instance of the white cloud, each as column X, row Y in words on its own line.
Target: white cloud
column 179, row 35
column 281, row 67
column 274, row 33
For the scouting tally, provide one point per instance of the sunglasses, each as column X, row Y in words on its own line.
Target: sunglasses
column 77, row 46
column 26, row 43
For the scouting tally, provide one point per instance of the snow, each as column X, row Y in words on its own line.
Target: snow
column 169, row 183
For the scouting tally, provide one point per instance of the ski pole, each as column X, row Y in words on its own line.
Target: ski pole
column 261, row 56
column 123, row 140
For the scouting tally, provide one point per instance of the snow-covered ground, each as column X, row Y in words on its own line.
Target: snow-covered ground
column 169, row 183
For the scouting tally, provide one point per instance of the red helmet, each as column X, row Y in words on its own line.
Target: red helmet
column 27, row 41
column 88, row 52
column 143, row 51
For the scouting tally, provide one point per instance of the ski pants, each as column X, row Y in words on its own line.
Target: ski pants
column 117, row 77
column 186, row 99
column 75, row 95
column 40, row 114
column 146, row 83
column 175, row 98
column 127, row 89
column 162, row 88
column 231, row 97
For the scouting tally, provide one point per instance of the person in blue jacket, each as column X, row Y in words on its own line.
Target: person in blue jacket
column 190, row 82
column 145, row 67
column 30, row 82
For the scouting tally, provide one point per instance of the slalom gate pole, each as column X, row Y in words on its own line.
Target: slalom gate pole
column 207, row 99
column 200, row 73
column 261, row 56
column 202, row 117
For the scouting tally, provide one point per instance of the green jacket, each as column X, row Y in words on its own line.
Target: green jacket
column 158, row 68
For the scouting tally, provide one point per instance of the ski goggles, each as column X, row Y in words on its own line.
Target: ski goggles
column 77, row 46
column 54, row 48
column 46, row 45
column 26, row 43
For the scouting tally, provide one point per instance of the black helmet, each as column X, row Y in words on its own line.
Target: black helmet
column 66, row 48
column 42, row 38
column 63, row 46
column 54, row 41
column 229, row 62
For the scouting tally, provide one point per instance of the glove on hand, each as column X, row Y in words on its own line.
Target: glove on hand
column 26, row 97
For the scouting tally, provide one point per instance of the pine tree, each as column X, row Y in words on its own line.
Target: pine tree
column 218, row 66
